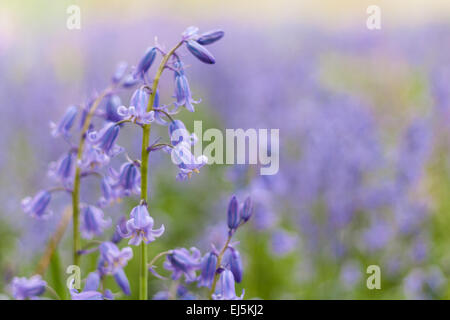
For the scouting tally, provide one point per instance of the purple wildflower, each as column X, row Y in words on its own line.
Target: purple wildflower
column 126, row 182
column 23, row 288
column 210, row 37
column 138, row 108
column 208, row 267
column 181, row 261
column 225, row 289
column 36, row 207
column 64, row 169
column 112, row 258
column 92, row 222
column 183, row 93
column 65, row 124
column 232, row 214
column 105, row 139
column 232, row 260
column 112, row 105
column 146, row 62
column 200, row 52
column 140, row 227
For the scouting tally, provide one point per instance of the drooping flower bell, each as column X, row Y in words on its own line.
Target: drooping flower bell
column 105, row 139
column 63, row 169
column 120, row 71
column 112, row 258
column 183, row 93
column 138, row 108
column 181, row 261
column 127, row 181
column 37, row 206
column 232, row 260
column 23, row 288
column 111, row 109
column 65, row 124
column 140, row 227
column 225, row 289
column 208, row 268
column 93, row 222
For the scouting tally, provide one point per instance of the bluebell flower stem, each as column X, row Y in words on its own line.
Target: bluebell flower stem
column 219, row 261
column 76, row 184
column 143, row 276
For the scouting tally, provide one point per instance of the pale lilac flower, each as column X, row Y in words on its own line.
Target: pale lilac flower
column 225, row 289
column 138, row 108
column 189, row 32
column 140, row 227
column 93, row 222
column 112, row 258
column 36, row 207
column 23, row 288
column 92, row 281
column 181, row 261
column 65, row 124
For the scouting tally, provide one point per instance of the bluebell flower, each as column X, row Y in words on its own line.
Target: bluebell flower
column 225, row 289
column 179, row 133
column 105, row 139
column 108, row 193
column 122, row 225
column 122, row 281
column 130, row 81
column 138, row 108
column 92, row 281
column 127, row 181
column 246, row 210
column 23, row 288
column 181, row 261
column 36, row 207
column 140, row 227
column 112, row 258
column 93, row 222
column 112, row 105
column 146, row 62
column 183, row 93
column 208, row 270
column 65, row 124
column 63, row 169
column 182, row 156
column 200, row 52
column 233, row 214
column 232, row 260
column 210, row 37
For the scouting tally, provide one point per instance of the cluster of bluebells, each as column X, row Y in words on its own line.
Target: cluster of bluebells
column 219, row 268
column 92, row 154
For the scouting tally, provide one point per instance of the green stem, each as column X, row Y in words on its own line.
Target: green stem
column 219, row 261
column 76, row 184
column 143, row 276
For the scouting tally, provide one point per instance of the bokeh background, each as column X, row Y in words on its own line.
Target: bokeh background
column 364, row 129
